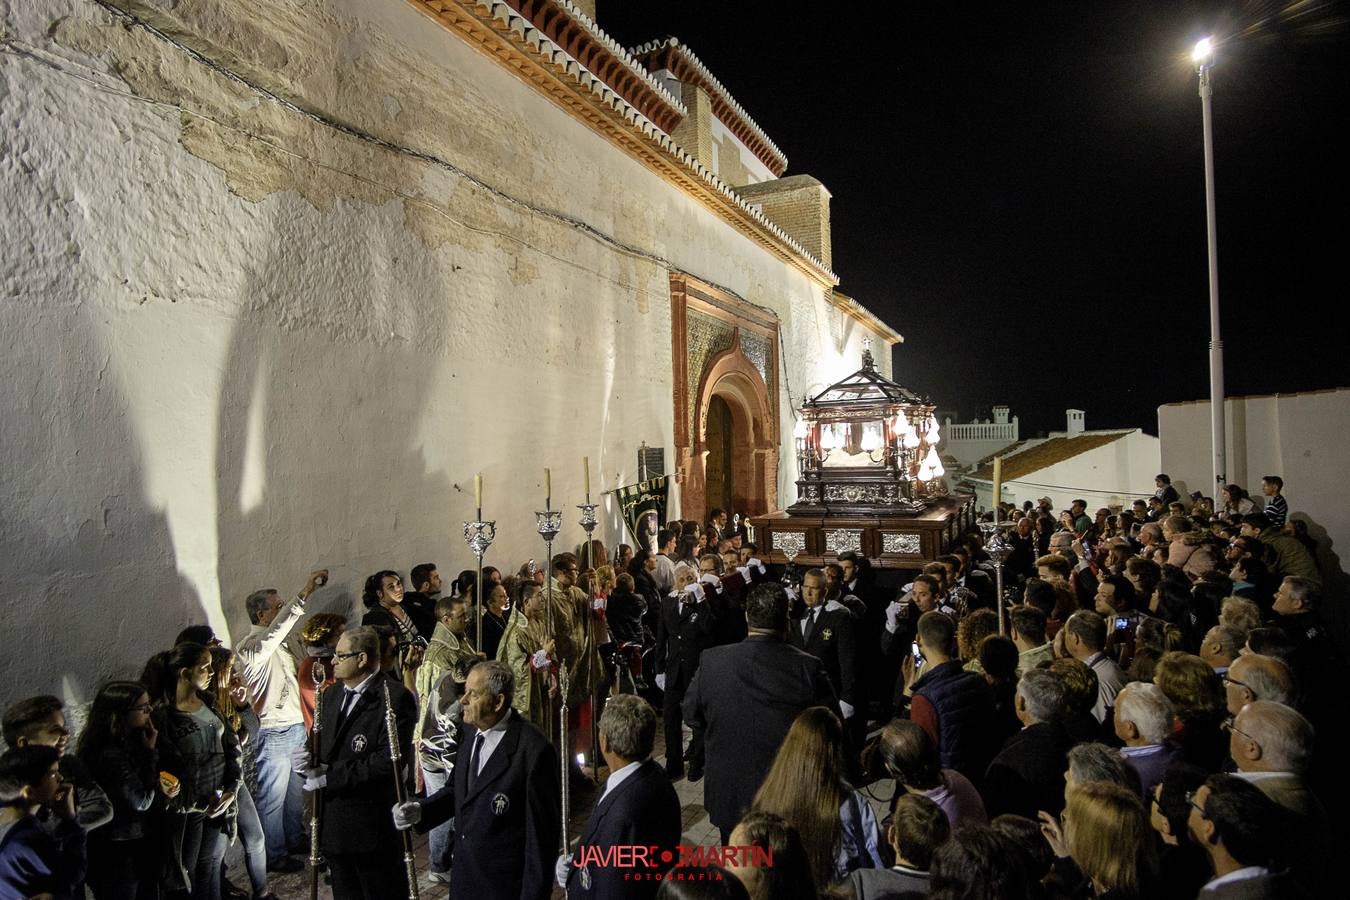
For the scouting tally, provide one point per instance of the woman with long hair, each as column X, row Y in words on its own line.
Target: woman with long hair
column 383, row 599
column 201, row 751
column 118, row 746
column 229, row 697
column 806, row 785
column 1105, row 830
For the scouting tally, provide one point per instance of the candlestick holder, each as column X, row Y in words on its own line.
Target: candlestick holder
column 479, row 535
column 998, row 550
column 588, row 521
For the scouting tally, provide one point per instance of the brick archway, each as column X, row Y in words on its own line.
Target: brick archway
column 726, row 348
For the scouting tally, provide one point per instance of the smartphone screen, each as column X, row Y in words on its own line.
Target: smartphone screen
column 914, row 649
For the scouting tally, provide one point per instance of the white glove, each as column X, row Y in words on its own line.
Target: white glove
column 744, row 572
column 300, row 759
column 893, row 615
column 754, row 561
column 712, row 581
column 561, row 868
column 846, row 709
column 598, row 603
column 540, row 660
column 793, row 594
column 407, row 814
column 661, row 681
column 695, row 591
column 315, row 779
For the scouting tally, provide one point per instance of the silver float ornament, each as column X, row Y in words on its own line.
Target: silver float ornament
column 998, row 549
column 479, row 536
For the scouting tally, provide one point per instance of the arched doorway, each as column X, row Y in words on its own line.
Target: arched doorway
column 720, row 441
column 735, row 459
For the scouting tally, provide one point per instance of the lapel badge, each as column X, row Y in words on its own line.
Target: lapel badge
column 827, row 634
column 359, row 743
column 500, row 804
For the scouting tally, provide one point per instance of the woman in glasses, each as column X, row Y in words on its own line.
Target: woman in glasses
column 118, row 745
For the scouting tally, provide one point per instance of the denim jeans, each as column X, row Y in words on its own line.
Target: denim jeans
column 438, row 841
column 281, row 796
column 203, row 851
column 251, row 836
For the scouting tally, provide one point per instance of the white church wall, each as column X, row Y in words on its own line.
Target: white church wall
column 230, row 359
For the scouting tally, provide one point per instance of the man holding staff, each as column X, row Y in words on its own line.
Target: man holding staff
column 356, row 774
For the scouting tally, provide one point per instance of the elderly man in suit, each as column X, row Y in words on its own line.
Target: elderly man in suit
column 504, row 797
column 1027, row 775
column 745, row 698
column 1272, row 745
column 355, row 771
column 638, row 808
column 685, row 628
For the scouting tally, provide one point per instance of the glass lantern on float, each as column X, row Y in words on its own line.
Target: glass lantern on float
column 867, row 446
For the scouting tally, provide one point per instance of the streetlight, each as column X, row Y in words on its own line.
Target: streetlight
column 1203, row 57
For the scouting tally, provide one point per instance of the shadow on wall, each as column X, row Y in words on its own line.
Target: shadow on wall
column 91, row 585
column 317, row 460
column 1335, row 583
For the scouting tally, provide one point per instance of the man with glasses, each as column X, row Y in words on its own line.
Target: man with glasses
column 1254, row 677
column 1238, row 828
column 355, row 771
column 269, row 669
column 1272, row 746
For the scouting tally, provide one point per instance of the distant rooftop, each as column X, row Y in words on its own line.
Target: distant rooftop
column 1019, row 464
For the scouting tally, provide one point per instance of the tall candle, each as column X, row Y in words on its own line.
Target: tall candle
column 478, row 490
column 998, row 485
column 548, row 482
column 586, row 467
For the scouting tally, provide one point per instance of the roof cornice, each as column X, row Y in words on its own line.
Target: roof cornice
column 498, row 30
column 669, row 53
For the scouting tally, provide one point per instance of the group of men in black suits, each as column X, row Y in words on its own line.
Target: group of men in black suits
column 504, row 796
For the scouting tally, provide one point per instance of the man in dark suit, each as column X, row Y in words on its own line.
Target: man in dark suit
column 355, row 771
column 504, row 797
column 1027, row 775
column 745, row 698
column 683, row 632
column 827, row 630
column 639, row 809
column 1239, row 828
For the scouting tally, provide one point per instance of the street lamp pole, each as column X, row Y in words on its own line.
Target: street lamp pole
column 1203, row 55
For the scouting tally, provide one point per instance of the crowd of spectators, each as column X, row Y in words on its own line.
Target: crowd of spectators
column 1149, row 710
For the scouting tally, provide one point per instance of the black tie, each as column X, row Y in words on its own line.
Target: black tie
column 473, row 758
column 810, row 625
column 348, row 701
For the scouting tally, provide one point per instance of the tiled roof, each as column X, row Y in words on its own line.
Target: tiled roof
column 669, row 53
column 501, row 19
column 1045, row 454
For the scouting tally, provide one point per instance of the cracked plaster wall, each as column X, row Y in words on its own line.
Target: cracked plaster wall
column 240, row 343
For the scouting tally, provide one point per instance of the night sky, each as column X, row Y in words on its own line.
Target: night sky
column 1019, row 188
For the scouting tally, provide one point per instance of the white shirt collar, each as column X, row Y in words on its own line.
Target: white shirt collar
column 617, row 778
column 361, row 688
column 1254, row 777
column 1141, row 750
column 1237, row 875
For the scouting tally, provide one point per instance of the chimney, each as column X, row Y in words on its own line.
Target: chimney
column 1001, row 415
column 798, row 204
column 1075, row 422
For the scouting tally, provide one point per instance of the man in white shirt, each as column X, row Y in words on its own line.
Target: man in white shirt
column 664, row 576
column 269, row 670
column 1084, row 638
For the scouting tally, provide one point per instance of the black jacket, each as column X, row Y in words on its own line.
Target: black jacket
column 1027, row 775
column 360, row 788
column 833, row 642
column 683, row 632
column 642, row 811
column 507, row 825
column 745, row 698
column 624, row 614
